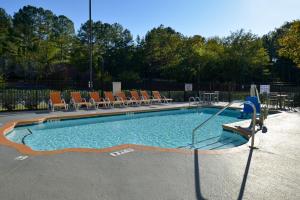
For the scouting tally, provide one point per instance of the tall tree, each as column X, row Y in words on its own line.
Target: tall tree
column 63, row 36
column 112, row 48
column 33, row 28
column 5, row 28
column 162, row 55
column 282, row 68
column 246, row 57
column 290, row 43
column 5, row 25
column 191, row 65
column 37, row 44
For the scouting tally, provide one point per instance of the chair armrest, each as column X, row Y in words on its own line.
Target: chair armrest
column 83, row 100
column 72, row 101
column 107, row 100
column 192, row 98
column 92, row 100
column 118, row 99
column 63, row 101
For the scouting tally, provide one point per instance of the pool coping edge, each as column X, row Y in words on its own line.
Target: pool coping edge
column 9, row 126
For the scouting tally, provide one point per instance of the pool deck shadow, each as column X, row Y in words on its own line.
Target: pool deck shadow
column 197, row 176
column 243, row 185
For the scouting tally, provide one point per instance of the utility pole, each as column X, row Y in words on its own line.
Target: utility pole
column 90, row 45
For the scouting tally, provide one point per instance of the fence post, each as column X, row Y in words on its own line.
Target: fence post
column 35, row 107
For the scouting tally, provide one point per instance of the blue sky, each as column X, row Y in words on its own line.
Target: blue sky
column 205, row 17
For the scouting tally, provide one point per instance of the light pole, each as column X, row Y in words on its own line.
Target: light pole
column 90, row 45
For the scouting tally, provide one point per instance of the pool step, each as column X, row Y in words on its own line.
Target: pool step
column 199, row 142
column 232, row 143
column 212, row 143
column 217, row 143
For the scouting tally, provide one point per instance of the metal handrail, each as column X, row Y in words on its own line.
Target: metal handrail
column 253, row 121
column 30, row 133
column 228, row 105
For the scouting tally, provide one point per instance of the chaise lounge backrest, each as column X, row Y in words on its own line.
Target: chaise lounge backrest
column 55, row 98
column 122, row 95
column 145, row 95
column 95, row 96
column 76, row 96
column 135, row 95
column 156, row 95
column 248, row 109
column 109, row 96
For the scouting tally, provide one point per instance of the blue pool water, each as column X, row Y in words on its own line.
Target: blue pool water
column 169, row 129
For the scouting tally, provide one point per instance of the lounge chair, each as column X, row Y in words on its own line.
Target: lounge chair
column 112, row 100
column 56, row 101
column 96, row 100
column 145, row 96
column 161, row 99
column 134, row 95
column 77, row 101
column 128, row 101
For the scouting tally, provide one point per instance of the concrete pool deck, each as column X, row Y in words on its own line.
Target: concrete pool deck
column 270, row 172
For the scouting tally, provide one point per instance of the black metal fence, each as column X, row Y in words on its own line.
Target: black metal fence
column 34, row 95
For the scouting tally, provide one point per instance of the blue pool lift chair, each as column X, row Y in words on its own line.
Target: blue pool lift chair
column 248, row 109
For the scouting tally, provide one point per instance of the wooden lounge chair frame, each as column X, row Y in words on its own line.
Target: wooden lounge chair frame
column 56, row 101
column 77, row 101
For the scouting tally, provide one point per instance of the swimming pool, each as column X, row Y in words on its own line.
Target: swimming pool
column 166, row 129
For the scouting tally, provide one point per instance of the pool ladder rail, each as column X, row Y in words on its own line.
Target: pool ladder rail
column 29, row 133
column 253, row 122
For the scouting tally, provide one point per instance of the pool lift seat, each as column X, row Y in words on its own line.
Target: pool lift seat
column 247, row 109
